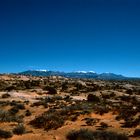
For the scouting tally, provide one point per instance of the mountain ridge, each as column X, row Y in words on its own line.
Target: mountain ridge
column 77, row 74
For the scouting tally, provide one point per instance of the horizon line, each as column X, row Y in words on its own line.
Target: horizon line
column 44, row 70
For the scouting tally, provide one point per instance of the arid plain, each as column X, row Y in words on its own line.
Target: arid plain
column 58, row 108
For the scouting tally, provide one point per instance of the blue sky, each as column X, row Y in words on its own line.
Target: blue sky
column 70, row 35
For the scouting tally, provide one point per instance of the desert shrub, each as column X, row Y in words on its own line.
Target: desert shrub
column 67, row 98
column 10, row 88
column 26, row 102
column 85, row 134
column 112, row 94
column 4, row 103
column 136, row 133
column 28, row 113
column 101, row 109
column 82, row 134
column 64, row 86
column 51, row 90
column 91, row 121
column 104, row 125
column 126, row 113
column 6, row 95
column 27, row 84
column 19, row 129
column 78, row 86
column 20, row 106
column 35, row 83
column 105, row 96
column 14, row 110
column 93, row 98
column 13, row 103
column 48, row 120
column 39, row 103
column 57, row 97
column 48, row 100
column 3, row 85
column 125, row 98
column 130, row 122
column 74, row 117
column 20, row 85
column 129, row 91
column 6, row 116
column 5, row 134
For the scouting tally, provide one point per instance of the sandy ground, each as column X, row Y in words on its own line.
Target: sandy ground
column 60, row 134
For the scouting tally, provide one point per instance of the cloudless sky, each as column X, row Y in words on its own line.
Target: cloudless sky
column 70, row 35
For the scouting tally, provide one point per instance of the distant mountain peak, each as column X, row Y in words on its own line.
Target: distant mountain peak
column 43, row 70
column 92, row 71
column 85, row 72
column 78, row 74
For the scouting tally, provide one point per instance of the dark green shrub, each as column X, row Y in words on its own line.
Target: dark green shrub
column 5, row 134
column 48, row 120
column 6, row 116
column 51, row 90
column 136, row 133
column 28, row 113
column 20, row 106
column 6, row 95
column 129, row 91
column 93, row 98
column 19, row 129
column 82, row 134
column 10, row 88
column 64, row 86
column 91, row 121
column 3, row 85
column 130, row 122
column 4, row 103
column 27, row 84
column 85, row 134
column 104, row 125
column 101, row 110
column 14, row 110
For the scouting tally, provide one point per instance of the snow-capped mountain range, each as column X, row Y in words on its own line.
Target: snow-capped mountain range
column 76, row 74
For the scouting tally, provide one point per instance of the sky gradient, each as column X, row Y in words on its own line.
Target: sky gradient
column 70, row 35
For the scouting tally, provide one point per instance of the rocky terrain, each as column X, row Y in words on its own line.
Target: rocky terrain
column 58, row 108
